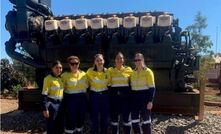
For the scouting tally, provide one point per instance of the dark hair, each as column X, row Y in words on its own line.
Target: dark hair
column 97, row 55
column 56, row 62
column 115, row 55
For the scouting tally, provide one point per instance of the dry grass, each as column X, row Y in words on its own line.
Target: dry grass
column 212, row 94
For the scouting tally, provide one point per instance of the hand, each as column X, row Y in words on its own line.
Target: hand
column 46, row 114
column 149, row 105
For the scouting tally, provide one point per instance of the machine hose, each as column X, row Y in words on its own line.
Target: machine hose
column 37, row 6
column 10, row 47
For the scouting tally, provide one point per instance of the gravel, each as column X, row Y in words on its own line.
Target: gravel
column 22, row 122
column 17, row 121
column 33, row 122
column 167, row 124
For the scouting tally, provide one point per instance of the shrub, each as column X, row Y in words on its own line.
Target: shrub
column 11, row 78
column 15, row 89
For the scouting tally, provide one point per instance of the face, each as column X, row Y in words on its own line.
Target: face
column 74, row 64
column 99, row 61
column 57, row 69
column 139, row 61
column 119, row 60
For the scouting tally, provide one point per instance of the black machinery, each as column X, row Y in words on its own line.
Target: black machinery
column 167, row 49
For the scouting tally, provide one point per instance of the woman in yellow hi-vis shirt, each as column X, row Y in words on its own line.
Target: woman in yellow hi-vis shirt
column 143, row 90
column 52, row 96
column 75, row 87
column 120, row 94
column 98, row 96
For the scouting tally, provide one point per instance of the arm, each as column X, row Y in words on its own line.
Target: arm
column 151, row 94
column 45, row 97
column 108, row 71
column 86, row 80
column 88, row 74
column 152, row 89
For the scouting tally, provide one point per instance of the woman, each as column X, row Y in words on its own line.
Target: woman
column 119, row 94
column 98, row 79
column 75, row 87
column 52, row 96
column 143, row 89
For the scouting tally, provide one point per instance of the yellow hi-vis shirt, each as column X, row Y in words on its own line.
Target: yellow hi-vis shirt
column 53, row 87
column 98, row 80
column 142, row 80
column 75, row 82
column 120, row 77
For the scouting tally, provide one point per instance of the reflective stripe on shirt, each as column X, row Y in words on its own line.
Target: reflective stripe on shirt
column 56, row 87
column 138, row 83
column 74, row 91
column 98, row 90
column 55, row 97
column 99, row 81
column 140, row 88
column 75, row 82
column 119, row 85
column 119, row 78
column 44, row 93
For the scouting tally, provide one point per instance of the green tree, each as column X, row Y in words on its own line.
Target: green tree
column 10, row 77
column 202, row 44
column 28, row 71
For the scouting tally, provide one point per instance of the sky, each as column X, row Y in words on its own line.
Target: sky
column 184, row 10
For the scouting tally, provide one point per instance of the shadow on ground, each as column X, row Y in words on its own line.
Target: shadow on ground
column 23, row 121
column 179, row 129
column 172, row 124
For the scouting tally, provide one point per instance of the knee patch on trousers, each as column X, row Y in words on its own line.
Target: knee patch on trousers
column 127, row 123
column 136, row 121
column 68, row 131
column 114, row 123
column 147, row 121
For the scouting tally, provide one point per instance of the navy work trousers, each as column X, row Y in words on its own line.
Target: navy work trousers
column 120, row 105
column 99, row 111
column 139, row 112
column 75, row 109
column 55, row 120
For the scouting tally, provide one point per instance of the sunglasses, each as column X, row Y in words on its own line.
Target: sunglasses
column 74, row 63
column 136, row 60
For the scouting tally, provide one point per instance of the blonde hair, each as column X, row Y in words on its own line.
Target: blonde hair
column 72, row 58
column 95, row 57
column 140, row 55
column 142, row 58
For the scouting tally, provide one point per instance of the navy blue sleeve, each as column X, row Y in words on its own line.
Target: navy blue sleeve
column 44, row 102
column 151, row 94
